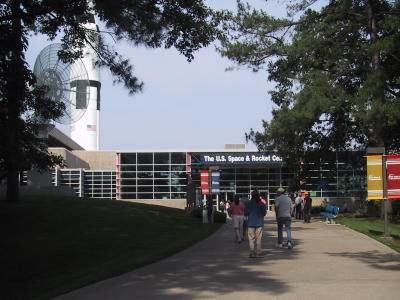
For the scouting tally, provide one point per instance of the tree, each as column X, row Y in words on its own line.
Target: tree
column 186, row 25
column 336, row 73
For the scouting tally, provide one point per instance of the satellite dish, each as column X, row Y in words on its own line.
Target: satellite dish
column 66, row 82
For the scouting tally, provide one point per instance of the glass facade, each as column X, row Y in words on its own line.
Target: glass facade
column 335, row 174
column 87, row 183
column 99, row 184
column 163, row 175
column 151, row 175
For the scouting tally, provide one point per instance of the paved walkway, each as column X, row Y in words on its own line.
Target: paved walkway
column 328, row 262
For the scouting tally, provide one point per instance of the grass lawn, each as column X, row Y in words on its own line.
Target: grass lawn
column 51, row 246
column 373, row 227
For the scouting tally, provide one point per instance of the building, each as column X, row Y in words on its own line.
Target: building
column 161, row 176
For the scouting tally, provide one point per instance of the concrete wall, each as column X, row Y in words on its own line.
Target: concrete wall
column 72, row 160
column 174, row 203
column 97, row 160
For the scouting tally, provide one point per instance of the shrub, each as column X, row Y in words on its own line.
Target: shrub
column 197, row 212
column 219, row 217
column 395, row 210
column 316, row 210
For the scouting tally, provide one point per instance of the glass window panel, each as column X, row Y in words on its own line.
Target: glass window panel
column 228, row 176
column 161, row 181
column 145, row 158
column 178, row 189
column 161, row 174
column 177, row 195
column 161, row 189
column 145, row 182
column 161, row 158
column 145, row 189
column 161, row 167
column 128, row 175
column 128, row 182
column 145, row 196
column 145, row 167
column 178, row 175
column 128, row 189
column 178, row 168
column 177, row 181
column 128, row 168
column 243, row 190
column 242, row 176
column 178, row 158
column 144, row 175
column 128, row 158
column 161, row 196
column 128, row 196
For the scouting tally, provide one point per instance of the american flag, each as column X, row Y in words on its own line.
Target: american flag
column 91, row 127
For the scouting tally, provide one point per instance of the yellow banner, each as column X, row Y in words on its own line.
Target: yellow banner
column 374, row 177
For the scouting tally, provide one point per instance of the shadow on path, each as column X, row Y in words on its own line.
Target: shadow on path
column 217, row 266
column 214, row 267
column 375, row 259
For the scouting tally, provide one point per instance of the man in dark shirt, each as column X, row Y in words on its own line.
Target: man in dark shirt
column 307, row 208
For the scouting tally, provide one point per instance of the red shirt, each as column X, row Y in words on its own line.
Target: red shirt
column 237, row 209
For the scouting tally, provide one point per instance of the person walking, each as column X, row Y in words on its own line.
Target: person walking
column 298, row 202
column 307, row 208
column 237, row 212
column 255, row 212
column 283, row 206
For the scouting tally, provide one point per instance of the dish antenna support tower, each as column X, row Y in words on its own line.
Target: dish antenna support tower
column 86, row 130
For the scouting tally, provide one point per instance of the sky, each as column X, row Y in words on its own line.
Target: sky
column 196, row 105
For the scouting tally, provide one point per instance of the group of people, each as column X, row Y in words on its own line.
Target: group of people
column 302, row 206
column 249, row 217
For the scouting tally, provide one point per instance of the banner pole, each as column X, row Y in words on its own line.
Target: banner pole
column 385, row 197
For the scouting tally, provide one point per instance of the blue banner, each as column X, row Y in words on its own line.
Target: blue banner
column 215, row 175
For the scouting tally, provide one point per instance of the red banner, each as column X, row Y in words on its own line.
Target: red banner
column 205, row 182
column 393, row 176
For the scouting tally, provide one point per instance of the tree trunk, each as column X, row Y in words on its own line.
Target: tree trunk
column 12, row 186
column 378, row 95
column 16, row 88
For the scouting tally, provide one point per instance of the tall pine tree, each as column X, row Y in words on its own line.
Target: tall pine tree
column 336, row 72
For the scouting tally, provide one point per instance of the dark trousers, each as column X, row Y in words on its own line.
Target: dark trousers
column 307, row 214
column 299, row 213
column 287, row 221
column 209, row 216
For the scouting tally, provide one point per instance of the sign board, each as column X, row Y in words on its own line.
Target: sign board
column 374, row 177
column 204, row 182
column 236, row 158
column 393, row 176
column 215, row 175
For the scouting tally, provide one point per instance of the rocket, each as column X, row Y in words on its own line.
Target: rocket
column 85, row 131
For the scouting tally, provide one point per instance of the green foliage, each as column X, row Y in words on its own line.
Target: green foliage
column 316, row 210
column 336, row 73
column 185, row 25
